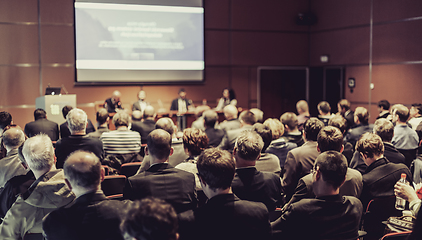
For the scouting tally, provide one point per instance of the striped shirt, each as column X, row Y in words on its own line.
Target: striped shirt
column 121, row 142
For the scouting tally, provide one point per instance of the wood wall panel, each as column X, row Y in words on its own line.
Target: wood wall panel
column 217, row 50
column 56, row 11
column 13, row 11
column 19, row 85
column 240, row 85
column 390, row 10
column 57, row 44
column 217, row 14
column 18, row 44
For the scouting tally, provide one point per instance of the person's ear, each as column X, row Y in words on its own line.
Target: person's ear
column 146, row 151
column 317, row 147
column 68, row 184
column 342, row 148
column 171, row 151
column 102, row 174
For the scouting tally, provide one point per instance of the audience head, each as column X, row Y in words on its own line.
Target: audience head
column 5, row 119
column 142, row 95
column 39, row 113
column 195, row 141
column 247, row 118
column 210, row 118
column 330, row 138
column 149, row 112
column 265, row 133
column 136, row 115
column 166, row 124
column 116, row 96
column 200, row 110
column 83, row 171
column 182, row 93
column 302, row 107
column 13, row 138
column 121, row 119
column 159, row 144
column 311, row 128
column 370, row 147
column 385, row 129
column 415, row 110
column 65, row 110
column 150, row 219
column 259, row 115
column 400, row 113
column 343, row 106
column 248, row 146
column 230, row 112
column 324, row 108
column 38, row 152
column 339, row 122
column 289, row 120
column 276, row 127
column 102, row 116
column 77, row 120
column 216, row 168
column 332, row 166
column 362, row 115
column 383, row 105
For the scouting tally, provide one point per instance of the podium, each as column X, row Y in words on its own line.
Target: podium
column 53, row 105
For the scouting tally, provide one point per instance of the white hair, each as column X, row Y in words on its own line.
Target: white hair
column 76, row 120
column 39, row 152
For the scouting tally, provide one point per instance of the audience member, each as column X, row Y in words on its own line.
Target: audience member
column 329, row 215
column 231, row 122
column 141, row 104
column 78, row 140
column 162, row 180
column 214, row 135
column 92, row 215
column 344, row 110
column 259, row 114
column 122, row 142
column 225, row 216
column 229, row 98
column 5, row 120
column 249, row 183
column 380, row 175
column 361, row 126
column 247, row 119
column 302, row 109
column 181, row 104
column 47, row 193
column 113, row 103
column 383, row 109
column 405, row 139
column 279, row 145
column 150, row 219
column 324, row 110
column 415, row 115
column 10, row 165
column 199, row 122
column 102, row 121
column 64, row 129
column 409, row 194
column 267, row 162
column 291, row 132
column 145, row 126
column 42, row 125
column 339, row 122
column 300, row 160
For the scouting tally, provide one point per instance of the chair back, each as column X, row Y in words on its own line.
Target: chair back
column 130, row 169
column 113, row 185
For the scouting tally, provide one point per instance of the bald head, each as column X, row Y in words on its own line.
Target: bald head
column 116, row 96
column 230, row 112
column 159, row 144
column 83, row 170
column 166, row 124
column 13, row 138
column 149, row 112
column 136, row 115
column 142, row 95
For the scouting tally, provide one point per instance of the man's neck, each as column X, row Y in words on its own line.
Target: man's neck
column 212, row 193
column 83, row 132
column 82, row 191
column 9, row 149
column 241, row 163
column 38, row 174
column 401, row 123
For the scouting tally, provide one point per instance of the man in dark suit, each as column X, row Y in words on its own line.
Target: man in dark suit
column 102, row 121
column 92, row 215
column 64, row 128
column 145, row 126
column 141, row 104
column 381, row 175
column 113, row 103
column 225, row 216
column 247, row 120
column 329, row 215
column 361, row 118
column 291, row 133
column 249, row 183
column 181, row 104
column 214, row 135
column 344, row 110
column 42, row 125
column 162, row 180
column 78, row 140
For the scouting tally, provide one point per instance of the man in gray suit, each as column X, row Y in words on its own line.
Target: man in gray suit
column 247, row 120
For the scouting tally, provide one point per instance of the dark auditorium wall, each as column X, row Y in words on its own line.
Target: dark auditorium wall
column 240, row 35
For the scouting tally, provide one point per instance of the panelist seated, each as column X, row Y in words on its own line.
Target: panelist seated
column 113, row 103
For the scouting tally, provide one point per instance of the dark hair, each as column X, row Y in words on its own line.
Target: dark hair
column 86, row 172
column 159, row 144
column 344, row 104
column 102, row 115
column 330, row 138
column 166, row 124
column 232, row 95
column 182, row 90
column 289, row 119
column 402, row 112
column 249, row 145
column 370, row 144
column 65, row 110
column 384, row 104
column 247, row 117
column 418, row 107
column 385, row 129
column 312, row 127
column 210, row 118
column 265, row 133
column 39, row 113
column 339, row 122
column 333, row 167
column 324, row 107
column 194, row 140
column 216, row 168
column 5, row 119
column 362, row 114
column 150, row 219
